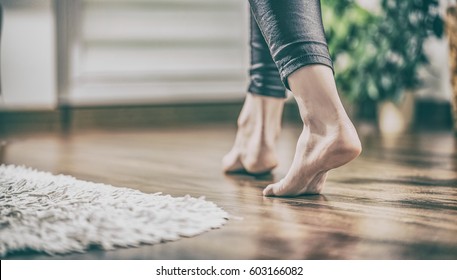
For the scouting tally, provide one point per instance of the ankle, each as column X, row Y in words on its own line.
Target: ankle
column 261, row 111
column 347, row 140
column 340, row 131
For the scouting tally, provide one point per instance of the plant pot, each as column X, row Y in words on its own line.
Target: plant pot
column 451, row 30
column 396, row 118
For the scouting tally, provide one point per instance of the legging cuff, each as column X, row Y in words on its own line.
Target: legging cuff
column 276, row 93
column 302, row 61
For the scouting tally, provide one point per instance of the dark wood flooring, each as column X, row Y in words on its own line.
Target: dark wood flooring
column 397, row 201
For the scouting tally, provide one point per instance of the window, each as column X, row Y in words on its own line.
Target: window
column 140, row 51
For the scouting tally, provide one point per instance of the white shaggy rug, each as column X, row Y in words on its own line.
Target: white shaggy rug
column 60, row 214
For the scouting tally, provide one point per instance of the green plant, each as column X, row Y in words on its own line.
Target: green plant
column 377, row 55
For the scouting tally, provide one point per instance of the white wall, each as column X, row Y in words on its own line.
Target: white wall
column 436, row 76
column 28, row 65
column 158, row 51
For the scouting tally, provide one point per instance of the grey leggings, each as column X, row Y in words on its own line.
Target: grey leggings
column 285, row 36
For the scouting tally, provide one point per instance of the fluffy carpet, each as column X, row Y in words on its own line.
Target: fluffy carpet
column 60, row 214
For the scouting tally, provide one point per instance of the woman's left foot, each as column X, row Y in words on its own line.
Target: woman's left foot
column 259, row 125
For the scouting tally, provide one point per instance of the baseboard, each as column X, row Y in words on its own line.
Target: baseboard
column 429, row 115
column 67, row 119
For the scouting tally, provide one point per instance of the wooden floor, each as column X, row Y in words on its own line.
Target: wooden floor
column 397, row 201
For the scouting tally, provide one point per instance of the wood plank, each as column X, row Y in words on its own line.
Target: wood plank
column 397, row 201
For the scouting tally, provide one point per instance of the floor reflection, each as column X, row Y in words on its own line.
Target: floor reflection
column 398, row 200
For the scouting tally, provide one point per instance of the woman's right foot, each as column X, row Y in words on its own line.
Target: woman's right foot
column 329, row 139
column 259, row 125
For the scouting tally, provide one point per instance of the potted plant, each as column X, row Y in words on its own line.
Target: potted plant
column 378, row 53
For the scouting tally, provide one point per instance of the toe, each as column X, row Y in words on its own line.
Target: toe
column 273, row 189
column 232, row 163
column 268, row 191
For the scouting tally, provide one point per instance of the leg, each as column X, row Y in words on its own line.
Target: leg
column 328, row 140
column 263, row 73
column 295, row 35
column 259, row 122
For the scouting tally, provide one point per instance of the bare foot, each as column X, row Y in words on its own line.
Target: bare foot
column 328, row 140
column 259, row 125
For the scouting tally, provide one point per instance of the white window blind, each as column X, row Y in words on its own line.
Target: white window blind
column 149, row 51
